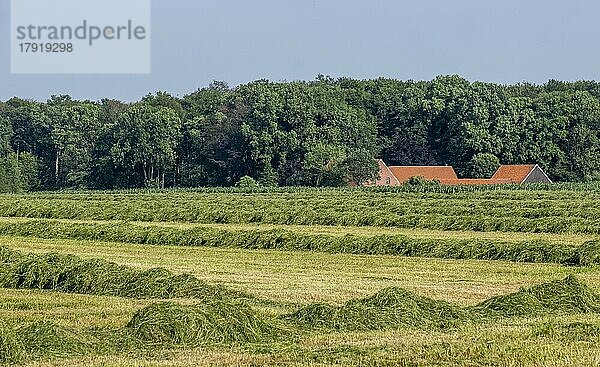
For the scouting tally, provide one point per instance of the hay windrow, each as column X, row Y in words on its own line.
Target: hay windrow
column 396, row 307
column 585, row 255
column 156, row 327
column 71, row 274
column 11, row 348
column 214, row 322
column 43, row 339
column 568, row 296
column 389, row 308
column 536, row 251
column 47, row 339
column 557, row 208
column 230, row 322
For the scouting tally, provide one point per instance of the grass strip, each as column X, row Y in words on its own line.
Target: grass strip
column 532, row 251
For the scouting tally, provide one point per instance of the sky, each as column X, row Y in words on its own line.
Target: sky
column 238, row 41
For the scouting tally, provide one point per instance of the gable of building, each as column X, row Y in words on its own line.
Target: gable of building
column 386, row 177
column 516, row 173
column 537, row 175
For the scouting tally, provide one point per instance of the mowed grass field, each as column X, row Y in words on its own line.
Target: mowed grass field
column 322, row 304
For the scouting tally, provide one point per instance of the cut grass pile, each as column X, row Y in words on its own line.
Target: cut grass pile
column 11, row 350
column 42, row 339
column 221, row 319
column 156, row 327
column 69, row 273
column 211, row 322
column 536, row 251
column 395, row 307
column 586, row 255
column 47, row 339
column 229, row 323
column 389, row 308
column 568, row 296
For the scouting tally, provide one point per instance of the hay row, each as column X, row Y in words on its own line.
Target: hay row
column 506, row 211
column 211, row 322
column 68, row 273
column 539, row 251
column 156, row 327
column 395, row 307
column 41, row 340
column 228, row 322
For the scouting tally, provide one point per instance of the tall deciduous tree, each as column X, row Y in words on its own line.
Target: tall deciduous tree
column 75, row 129
column 146, row 139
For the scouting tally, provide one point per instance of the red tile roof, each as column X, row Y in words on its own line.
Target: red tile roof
column 397, row 175
column 515, row 173
column 404, row 173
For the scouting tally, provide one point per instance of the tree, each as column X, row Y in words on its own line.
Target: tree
column 10, row 176
column 246, row 182
column 5, row 136
column 212, row 150
column 483, row 165
column 361, row 167
column 75, row 129
column 146, row 139
column 31, row 133
column 104, row 173
column 29, row 172
column 323, row 132
column 324, row 165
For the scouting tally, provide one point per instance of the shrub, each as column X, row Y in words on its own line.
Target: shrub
column 247, row 182
column 421, row 181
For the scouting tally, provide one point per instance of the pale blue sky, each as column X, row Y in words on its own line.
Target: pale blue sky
column 195, row 42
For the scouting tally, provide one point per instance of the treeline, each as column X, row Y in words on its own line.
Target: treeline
column 321, row 133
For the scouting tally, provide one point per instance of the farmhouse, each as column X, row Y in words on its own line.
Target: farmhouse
column 506, row 174
column 522, row 174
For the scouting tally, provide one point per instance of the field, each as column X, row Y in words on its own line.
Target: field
column 410, row 277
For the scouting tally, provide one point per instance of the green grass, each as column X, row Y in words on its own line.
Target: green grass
column 207, row 323
column 364, row 231
column 450, row 247
column 68, row 273
column 305, row 277
column 395, row 307
column 508, row 210
column 302, row 277
column 221, row 320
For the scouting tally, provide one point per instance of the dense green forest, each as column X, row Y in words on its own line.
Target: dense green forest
column 321, row 133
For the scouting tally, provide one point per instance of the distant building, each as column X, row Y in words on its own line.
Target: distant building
column 386, row 177
column 508, row 174
column 522, row 174
column 405, row 173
